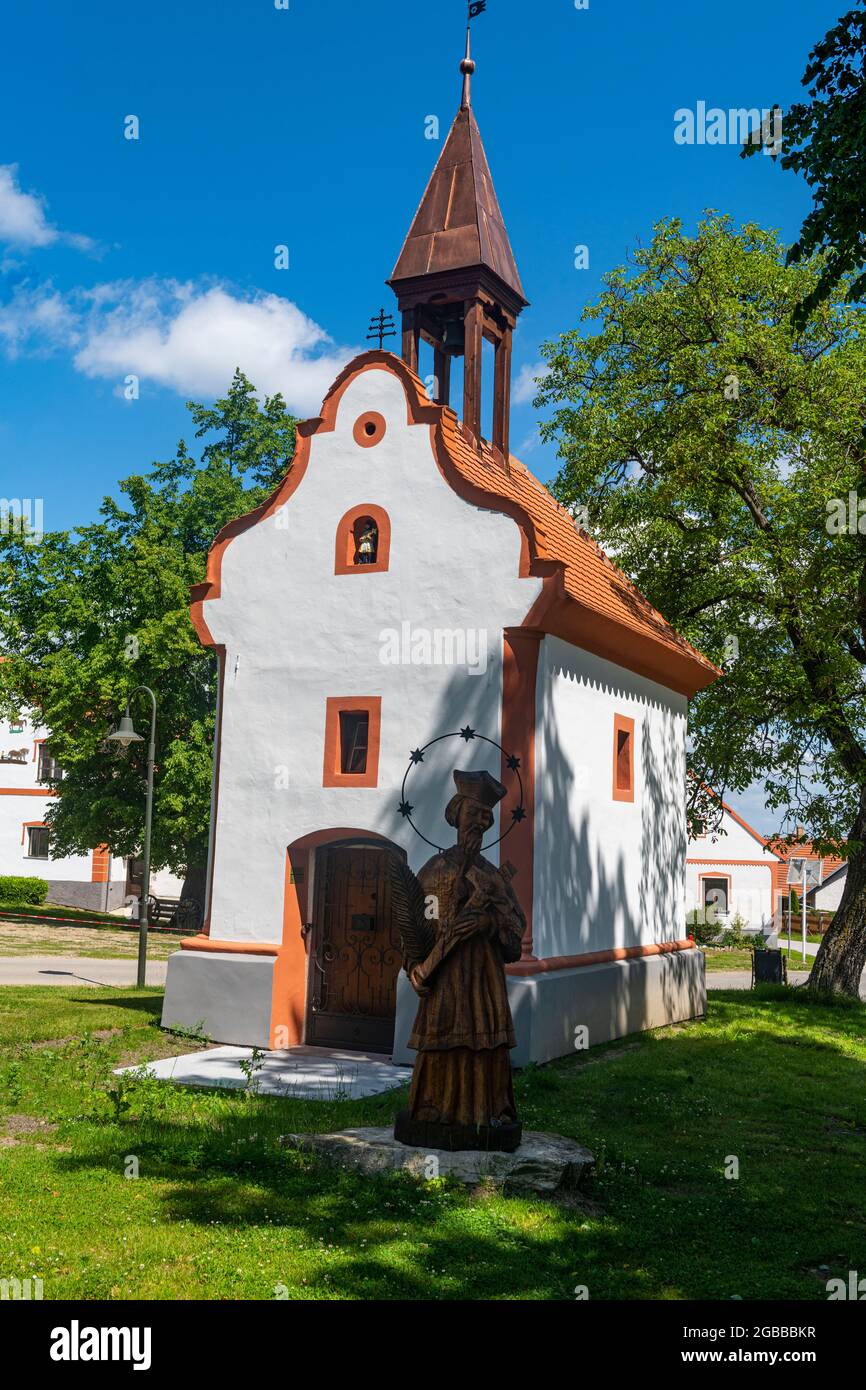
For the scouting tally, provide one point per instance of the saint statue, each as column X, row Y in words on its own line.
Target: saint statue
column 460, row 925
column 367, row 541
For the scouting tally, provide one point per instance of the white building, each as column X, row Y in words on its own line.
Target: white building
column 732, row 872
column 97, row 880
column 828, row 895
column 477, row 607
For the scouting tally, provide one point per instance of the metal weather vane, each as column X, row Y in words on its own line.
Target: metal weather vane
column 383, row 327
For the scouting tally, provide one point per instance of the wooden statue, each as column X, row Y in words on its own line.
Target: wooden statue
column 462, row 1096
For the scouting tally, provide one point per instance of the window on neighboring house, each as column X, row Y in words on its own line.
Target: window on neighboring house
column 37, row 841
column 48, row 769
column 716, row 896
column 623, row 758
column 352, row 741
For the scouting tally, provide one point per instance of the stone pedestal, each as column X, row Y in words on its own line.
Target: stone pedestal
column 543, row 1163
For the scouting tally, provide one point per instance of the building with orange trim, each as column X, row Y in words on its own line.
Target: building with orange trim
column 733, row 871
column 412, row 599
column 28, row 782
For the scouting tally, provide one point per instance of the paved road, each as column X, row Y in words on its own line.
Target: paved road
column 742, row 979
column 75, row 970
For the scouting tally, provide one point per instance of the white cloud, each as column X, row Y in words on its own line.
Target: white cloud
column 529, row 444
column 191, row 338
column 37, row 321
column 23, row 221
column 186, row 337
column 526, row 385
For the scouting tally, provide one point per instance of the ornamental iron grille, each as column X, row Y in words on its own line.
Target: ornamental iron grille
column 356, row 955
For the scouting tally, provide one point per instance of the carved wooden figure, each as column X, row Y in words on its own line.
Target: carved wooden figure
column 461, row 1096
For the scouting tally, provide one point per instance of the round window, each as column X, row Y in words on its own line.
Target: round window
column 369, row 429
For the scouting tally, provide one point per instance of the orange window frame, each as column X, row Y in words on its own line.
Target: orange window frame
column 371, row 705
column 623, row 725
column 344, row 555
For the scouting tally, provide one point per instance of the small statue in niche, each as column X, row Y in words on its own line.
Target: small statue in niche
column 462, row 1096
column 366, row 541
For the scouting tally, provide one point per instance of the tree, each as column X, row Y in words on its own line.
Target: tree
column 87, row 615
column 825, row 140
column 718, row 451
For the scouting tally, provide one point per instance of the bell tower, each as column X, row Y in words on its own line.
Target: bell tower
column 456, row 280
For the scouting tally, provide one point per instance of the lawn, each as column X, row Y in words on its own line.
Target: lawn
column 220, row 1210
column 71, row 914
column 71, row 939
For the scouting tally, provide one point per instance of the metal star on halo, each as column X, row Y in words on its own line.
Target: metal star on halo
column 416, row 756
column 468, row 734
column 405, row 809
column 518, row 814
column 513, row 763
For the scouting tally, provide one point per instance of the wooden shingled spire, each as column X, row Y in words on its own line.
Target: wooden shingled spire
column 456, row 279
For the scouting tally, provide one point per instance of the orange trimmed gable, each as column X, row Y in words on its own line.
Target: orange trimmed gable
column 585, row 599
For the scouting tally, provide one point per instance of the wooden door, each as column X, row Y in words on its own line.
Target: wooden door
column 355, row 951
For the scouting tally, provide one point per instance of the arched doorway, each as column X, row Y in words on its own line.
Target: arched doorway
column 354, row 947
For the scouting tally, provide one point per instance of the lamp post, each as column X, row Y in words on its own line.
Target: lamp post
column 125, row 734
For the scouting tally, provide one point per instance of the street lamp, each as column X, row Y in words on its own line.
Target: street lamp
column 125, row 734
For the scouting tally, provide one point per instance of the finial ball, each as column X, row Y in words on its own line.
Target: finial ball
column 467, row 67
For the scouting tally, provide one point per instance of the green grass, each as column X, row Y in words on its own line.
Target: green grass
column 220, row 1210
column 21, row 939
column 72, row 914
column 732, row 958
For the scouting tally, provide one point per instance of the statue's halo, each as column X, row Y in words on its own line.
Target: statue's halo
column 468, row 735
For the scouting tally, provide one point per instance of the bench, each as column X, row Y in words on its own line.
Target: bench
column 182, row 914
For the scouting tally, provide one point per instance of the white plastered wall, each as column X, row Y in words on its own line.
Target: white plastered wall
column 607, row 873
column 295, row 633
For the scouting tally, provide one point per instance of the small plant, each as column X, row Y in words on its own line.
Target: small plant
column 194, row 1034
column 250, row 1066
column 735, row 935
column 703, row 932
column 117, row 1091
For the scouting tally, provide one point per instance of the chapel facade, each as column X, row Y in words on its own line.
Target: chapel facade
column 412, row 599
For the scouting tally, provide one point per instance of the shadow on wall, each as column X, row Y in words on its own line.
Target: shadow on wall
column 586, row 897
column 465, row 702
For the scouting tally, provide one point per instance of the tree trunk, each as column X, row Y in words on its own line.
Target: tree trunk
column 842, row 953
column 195, row 885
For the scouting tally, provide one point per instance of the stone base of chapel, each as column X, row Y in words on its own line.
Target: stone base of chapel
column 228, row 997
column 609, row 1000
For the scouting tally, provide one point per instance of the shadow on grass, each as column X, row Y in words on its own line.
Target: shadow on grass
column 773, row 1079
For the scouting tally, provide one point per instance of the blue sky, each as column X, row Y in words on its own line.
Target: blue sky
column 305, row 127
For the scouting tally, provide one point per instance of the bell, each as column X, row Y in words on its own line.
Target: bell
column 453, row 335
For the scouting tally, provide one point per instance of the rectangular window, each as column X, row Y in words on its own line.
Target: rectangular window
column 352, row 741
column 48, row 768
column 623, row 758
column 354, row 737
column 716, row 895
column 37, row 841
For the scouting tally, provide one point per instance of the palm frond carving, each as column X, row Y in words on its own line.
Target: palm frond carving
column 407, row 905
